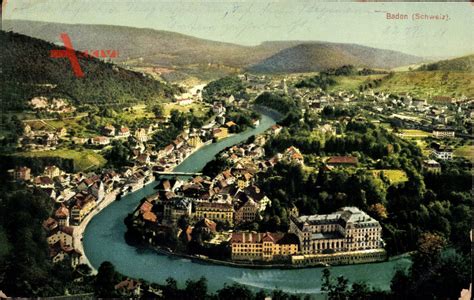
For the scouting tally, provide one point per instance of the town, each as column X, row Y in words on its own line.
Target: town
column 217, row 214
column 236, row 150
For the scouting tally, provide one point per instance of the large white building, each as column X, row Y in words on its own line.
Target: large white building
column 349, row 229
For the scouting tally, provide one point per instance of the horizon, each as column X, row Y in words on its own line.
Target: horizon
column 250, row 24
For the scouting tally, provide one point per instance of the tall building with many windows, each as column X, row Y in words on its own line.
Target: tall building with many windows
column 349, row 229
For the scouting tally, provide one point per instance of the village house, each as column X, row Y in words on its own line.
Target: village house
column 246, row 210
column 84, row 203
column 275, row 129
column 62, row 215
column 123, row 132
column 342, row 161
column 44, row 182
column 195, row 142
column 22, row 174
column 100, row 140
column 144, row 158
column 175, row 208
column 59, row 251
column 184, row 102
column 443, row 133
column 293, row 154
column 52, row 171
column 79, row 140
column 431, row 166
column 442, row 152
column 39, row 103
column 263, row 246
column 443, row 100
column 109, row 130
column 62, row 234
column 141, row 135
column 220, row 133
column 215, row 211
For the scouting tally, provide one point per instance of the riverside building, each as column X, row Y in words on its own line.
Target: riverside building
column 349, row 229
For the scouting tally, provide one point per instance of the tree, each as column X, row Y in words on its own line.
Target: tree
column 170, row 290
column 107, row 277
column 336, row 290
column 235, row 291
column 119, row 154
column 158, row 110
column 196, row 289
column 178, row 119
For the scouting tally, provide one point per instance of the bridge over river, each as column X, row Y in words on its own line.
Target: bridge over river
column 104, row 241
column 174, row 173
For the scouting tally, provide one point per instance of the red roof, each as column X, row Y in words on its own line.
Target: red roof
column 149, row 216
column 146, row 207
column 62, row 212
column 342, row 160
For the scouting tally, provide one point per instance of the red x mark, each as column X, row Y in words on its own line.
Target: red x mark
column 69, row 53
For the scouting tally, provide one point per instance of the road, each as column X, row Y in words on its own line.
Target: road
column 79, row 230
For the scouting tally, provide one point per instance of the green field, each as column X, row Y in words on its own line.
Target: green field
column 83, row 159
column 466, row 151
column 424, row 84
column 395, row 176
column 414, row 133
column 198, row 107
column 352, row 83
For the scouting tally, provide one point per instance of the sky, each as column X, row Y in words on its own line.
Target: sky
column 252, row 22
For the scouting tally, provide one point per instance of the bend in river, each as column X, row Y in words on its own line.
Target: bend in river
column 104, row 241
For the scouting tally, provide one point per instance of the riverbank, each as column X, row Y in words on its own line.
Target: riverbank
column 104, row 241
column 79, row 229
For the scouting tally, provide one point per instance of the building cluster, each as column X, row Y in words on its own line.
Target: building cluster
column 348, row 235
column 54, row 105
column 75, row 197
column 41, row 139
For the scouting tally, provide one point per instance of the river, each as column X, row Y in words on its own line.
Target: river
column 104, row 241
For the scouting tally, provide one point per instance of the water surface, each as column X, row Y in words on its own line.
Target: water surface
column 104, row 241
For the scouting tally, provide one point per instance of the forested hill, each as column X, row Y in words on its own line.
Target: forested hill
column 27, row 70
column 459, row 64
column 192, row 55
column 318, row 56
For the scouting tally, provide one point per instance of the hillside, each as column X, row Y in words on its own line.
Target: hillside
column 180, row 55
column 156, row 47
column 317, row 56
column 424, row 84
column 459, row 64
column 29, row 71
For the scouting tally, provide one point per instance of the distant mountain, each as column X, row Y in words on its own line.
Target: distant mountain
column 27, row 70
column 460, row 64
column 157, row 47
column 317, row 56
column 182, row 53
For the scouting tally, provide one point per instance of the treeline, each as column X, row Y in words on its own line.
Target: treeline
column 224, row 88
column 374, row 83
column 362, row 137
column 322, row 81
column 345, row 70
column 29, row 71
column 241, row 117
column 279, row 102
